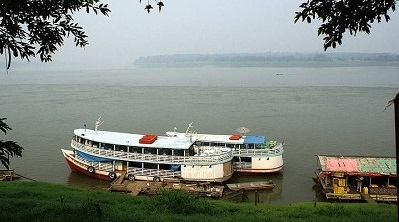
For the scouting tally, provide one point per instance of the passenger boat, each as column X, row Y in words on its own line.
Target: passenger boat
column 258, row 185
column 107, row 155
column 252, row 153
column 357, row 177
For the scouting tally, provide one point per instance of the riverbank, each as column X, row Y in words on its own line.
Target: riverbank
column 38, row 201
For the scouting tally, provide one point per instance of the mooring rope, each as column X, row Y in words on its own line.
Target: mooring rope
column 24, row 177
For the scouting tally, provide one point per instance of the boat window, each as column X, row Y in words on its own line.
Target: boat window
column 178, row 152
column 95, row 144
column 164, row 167
column 165, row 152
column 108, row 146
column 121, row 148
column 246, row 159
column 191, row 151
column 135, row 164
column 135, row 149
column 150, row 166
column 150, row 150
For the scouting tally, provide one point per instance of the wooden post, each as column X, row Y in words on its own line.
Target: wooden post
column 256, row 197
column 396, row 107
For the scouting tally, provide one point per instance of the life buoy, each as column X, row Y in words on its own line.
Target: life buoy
column 130, row 177
column 112, row 175
column 91, row 169
column 157, row 179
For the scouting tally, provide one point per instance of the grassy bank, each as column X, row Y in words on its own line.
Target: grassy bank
column 37, row 201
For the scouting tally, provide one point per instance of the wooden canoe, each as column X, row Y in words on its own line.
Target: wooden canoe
column 258, row 185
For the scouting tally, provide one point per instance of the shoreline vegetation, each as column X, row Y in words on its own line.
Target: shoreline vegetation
column 270, row 60
column 39, row 201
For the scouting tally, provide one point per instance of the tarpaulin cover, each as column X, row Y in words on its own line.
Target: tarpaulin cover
column 174, row 167
column 254, row 140
column 89, row 157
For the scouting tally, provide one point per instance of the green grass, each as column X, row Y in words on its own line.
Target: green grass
column 37, row 201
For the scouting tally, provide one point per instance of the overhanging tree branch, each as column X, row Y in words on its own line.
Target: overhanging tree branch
column 8, row 148
column 30, row 27
column 339, row 16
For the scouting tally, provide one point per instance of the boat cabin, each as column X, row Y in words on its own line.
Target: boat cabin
column 252, row 153
column 354, row 177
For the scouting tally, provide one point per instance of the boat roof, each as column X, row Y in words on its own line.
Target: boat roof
column 250, row 139
column 217, row 138
column 128, row 139
column 358, row 164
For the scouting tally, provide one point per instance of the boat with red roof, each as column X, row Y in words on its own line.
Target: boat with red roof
column 252, row 153
column 357, row 177
column 107, row 155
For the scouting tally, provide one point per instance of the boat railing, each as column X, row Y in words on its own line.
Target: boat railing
column 154, row 158
column 153, row 172
column 275, row 151
column 100, row 166
column 383, row 190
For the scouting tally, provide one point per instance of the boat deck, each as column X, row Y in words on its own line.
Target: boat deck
column 8, row 175
column 151, row 188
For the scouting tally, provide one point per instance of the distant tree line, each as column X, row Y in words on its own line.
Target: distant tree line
column 266, row 59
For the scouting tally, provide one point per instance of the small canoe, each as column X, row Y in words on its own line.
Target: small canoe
column 258, row 185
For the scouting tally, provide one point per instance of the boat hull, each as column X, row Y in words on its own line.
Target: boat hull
column 259, row 171
column 77, row 166
column 189, row 173
column 261, row 185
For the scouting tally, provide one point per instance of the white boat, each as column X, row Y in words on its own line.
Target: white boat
column 107, row 155
column 252, row 153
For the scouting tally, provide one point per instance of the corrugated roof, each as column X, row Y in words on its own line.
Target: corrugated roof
column 358, row 164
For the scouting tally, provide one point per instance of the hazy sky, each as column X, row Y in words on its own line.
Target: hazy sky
column 206, row 27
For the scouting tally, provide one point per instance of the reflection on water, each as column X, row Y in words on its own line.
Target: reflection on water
column 80, row 180
column 265, row 196
column 318, row 193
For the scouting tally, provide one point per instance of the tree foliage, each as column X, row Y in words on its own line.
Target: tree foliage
column 338, row 16
column 8, row 148
column 149, row 7
column 37, row 27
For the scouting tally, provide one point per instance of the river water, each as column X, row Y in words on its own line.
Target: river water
column 315, row 110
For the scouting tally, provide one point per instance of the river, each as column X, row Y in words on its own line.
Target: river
column 314, row 110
